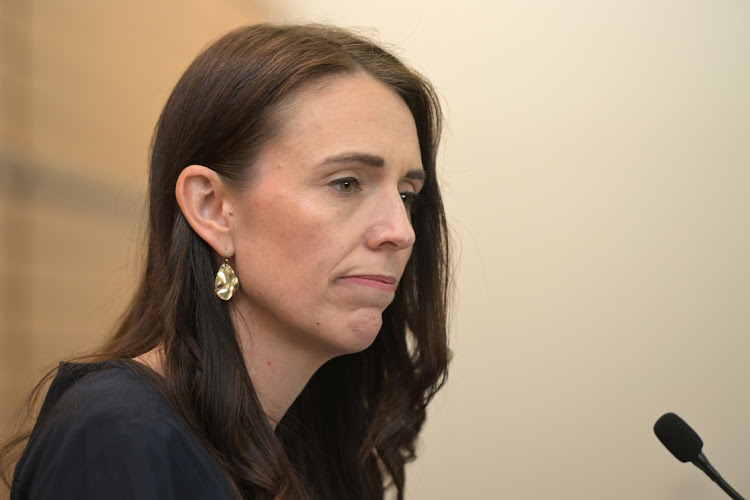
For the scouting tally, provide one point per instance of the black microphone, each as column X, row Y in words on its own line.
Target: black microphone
column 685, row 444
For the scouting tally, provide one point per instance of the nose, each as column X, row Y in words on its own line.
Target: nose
column 391, row 224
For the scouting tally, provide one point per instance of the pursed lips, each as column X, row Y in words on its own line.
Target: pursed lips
column 378, row 282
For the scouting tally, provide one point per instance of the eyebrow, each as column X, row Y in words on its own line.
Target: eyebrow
column 371, row 160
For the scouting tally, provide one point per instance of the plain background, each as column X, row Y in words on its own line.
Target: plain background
column 596, row 171
column 597, row 177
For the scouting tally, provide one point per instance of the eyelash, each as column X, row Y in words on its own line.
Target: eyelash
column 409, row 198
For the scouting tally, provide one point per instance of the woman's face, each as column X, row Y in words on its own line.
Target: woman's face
column 323, row 229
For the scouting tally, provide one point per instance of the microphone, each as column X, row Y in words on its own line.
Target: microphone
column 685, row 444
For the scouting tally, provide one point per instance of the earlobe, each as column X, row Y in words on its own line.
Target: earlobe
column 205, row 201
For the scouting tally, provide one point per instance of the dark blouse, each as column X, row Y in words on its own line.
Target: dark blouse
column 106, row 432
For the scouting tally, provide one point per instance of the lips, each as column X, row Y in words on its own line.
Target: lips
column 378, row 282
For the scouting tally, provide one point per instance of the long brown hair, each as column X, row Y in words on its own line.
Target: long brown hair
column 354, row 426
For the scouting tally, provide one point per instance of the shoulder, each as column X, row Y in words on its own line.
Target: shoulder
column 104, row 431
column 101, row 392
column 108, row 402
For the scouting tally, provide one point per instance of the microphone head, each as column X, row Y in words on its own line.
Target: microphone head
column 679, row 438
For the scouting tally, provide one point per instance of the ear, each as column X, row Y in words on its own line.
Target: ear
column 206, row 203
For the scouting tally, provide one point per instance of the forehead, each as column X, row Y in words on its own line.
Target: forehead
column 351, row 112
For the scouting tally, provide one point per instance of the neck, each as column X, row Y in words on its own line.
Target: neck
column 278, row 367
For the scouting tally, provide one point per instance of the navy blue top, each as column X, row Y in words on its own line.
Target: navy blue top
column 106, row 432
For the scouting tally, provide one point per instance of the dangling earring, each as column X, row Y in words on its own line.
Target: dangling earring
column 226, row 282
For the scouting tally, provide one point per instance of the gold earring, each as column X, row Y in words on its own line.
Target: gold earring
column 226, row 282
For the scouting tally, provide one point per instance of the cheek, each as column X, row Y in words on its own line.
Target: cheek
column 288, row 240
column 403, row 257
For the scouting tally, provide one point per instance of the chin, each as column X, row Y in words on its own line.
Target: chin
column 361, row 331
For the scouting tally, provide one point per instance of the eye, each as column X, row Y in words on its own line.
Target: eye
column 346, row 184
column 410, row 199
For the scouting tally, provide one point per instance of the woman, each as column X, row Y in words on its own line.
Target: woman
column 299, row 161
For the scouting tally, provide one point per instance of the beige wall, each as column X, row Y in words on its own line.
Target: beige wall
column 81, row 86
column 597, row 176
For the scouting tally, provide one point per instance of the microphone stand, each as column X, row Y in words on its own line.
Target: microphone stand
column 703, row 464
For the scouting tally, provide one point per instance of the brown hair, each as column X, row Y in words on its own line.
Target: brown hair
column 354, row 425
